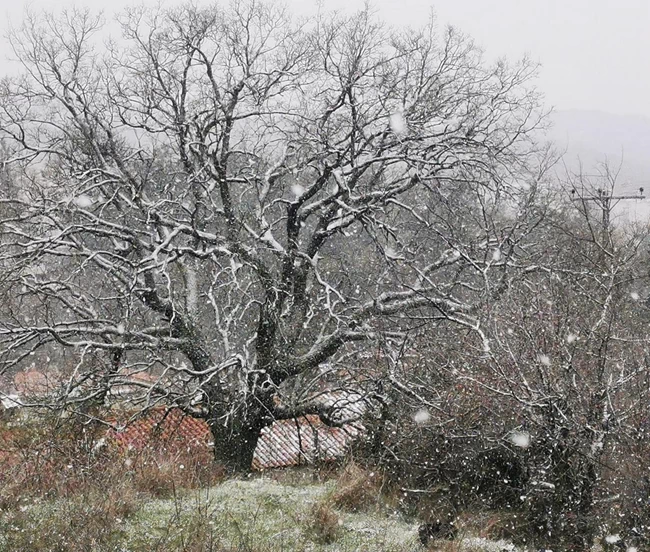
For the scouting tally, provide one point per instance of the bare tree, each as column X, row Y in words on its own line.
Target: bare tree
column 551, row 422
column 571, row 357
column 242, row 205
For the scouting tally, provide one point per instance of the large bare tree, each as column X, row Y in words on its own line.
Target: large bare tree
column 242, row 205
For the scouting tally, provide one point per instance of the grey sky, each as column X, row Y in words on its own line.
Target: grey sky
column 594, row 53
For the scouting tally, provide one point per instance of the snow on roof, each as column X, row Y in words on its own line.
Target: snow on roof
column 284, row 443
column 300, row 441
column 10, row 401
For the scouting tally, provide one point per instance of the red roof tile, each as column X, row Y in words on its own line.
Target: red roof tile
column 284, row 443
column 33, row 382
column 162, row 427
column 294, row 442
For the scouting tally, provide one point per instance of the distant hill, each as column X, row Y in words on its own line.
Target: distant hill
column 592, row 137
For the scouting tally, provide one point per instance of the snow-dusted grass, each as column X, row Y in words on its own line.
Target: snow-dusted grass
column 257, row 514
column 262, row 514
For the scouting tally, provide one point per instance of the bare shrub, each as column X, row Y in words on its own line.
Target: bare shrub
column 325, row 523
column 159, row 473
column 496, row 525
column 89, row 521
column 50, row 456
column 356, row 489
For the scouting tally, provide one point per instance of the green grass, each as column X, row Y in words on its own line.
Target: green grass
column 257, row 514
column 262, row 514
column 251, row 515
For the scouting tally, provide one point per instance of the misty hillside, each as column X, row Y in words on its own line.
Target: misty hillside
column 591, row 138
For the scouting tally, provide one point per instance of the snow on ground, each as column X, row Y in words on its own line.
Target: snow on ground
column 265, row 513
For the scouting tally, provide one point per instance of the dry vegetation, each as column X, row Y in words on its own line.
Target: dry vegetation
column 59, row 491
column 253, row 219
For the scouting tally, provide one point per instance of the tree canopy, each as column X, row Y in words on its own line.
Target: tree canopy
column 245, row 206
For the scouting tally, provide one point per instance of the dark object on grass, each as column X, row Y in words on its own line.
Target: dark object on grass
column 436, row 530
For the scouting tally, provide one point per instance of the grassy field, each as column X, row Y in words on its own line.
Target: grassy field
column 256, row 514
column 60, row 493
column 250, row 515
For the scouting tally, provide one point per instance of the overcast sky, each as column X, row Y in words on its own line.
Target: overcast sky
column 594, row 53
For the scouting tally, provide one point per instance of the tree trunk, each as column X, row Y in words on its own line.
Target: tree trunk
column 234, row 444
column 235, row 441
column 236, row 423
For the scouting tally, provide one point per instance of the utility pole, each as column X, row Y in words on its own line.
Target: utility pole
column 606, row 200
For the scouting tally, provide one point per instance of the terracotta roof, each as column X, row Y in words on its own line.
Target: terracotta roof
column 284, row 443
column 306, row 439
column 162, row 427
column 32, row 382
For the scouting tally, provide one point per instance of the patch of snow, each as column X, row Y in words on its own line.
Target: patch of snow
column 268, row 238
column 83, row 201
column 10, row 401
column 485, row 545
column 546, row 485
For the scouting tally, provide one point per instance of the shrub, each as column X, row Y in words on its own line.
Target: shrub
column 190, row 528
column 47, row 457
column 325, row 523
column 160, row 473
column 89, row 521
column 356, row 489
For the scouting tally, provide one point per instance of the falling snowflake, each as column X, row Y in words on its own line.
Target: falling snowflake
column 635, row 296
column 544, row 359
column 422, row 416
column 83, row 201
column 397, row 123
column 496, row 255
column 612, row 539
column 297, row 190
column 520, row 439
column 571, row 338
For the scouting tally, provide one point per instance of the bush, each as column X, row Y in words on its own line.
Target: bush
column 48, row 457
column 160, row 474
column 325, row 523
column 90, row 521
column 192, row 527
column 356, row 489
